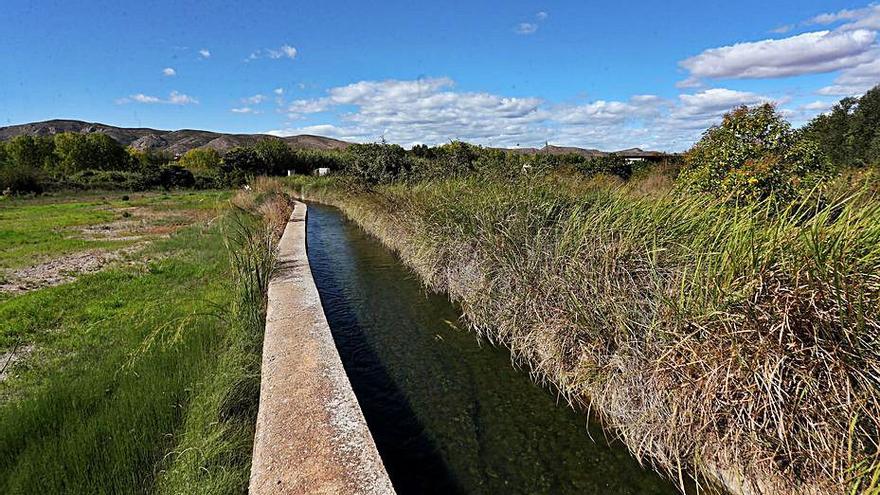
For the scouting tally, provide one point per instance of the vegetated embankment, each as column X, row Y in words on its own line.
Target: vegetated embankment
column 736, row 343
column 142, row 378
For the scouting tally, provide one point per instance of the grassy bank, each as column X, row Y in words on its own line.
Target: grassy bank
column 144, row 377
column 736, row 341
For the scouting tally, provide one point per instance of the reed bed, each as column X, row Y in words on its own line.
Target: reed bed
column 739, row 343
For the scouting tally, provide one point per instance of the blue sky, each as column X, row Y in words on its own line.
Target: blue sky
column 607, row 75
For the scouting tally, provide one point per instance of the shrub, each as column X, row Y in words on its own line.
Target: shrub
column 206, row 180
column 752, row 155
column 611, row 164
column 275, row 156
column 377, row 163
column 200, row 159
column 96, row 151
column 108, row 179
column 243, row 160
column 175, row 176
column 19, row 180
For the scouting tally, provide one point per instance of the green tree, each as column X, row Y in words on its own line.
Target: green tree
column 30, row 152
column 457, row 157
column 96, row 151
column 201, row 160
column 376, row 163
column 848, row 134
column 831, row 131
column 753, row 153
column 865, row 126
column 276, row 156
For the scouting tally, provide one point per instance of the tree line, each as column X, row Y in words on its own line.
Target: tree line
column 96, row 161
column 752, row 153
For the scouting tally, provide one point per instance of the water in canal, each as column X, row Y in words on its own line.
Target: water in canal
column 448, row 414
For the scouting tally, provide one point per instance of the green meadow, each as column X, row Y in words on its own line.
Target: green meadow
column 142, row 377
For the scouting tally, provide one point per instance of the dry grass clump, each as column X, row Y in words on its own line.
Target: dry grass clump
column 265, row 197
column 738, row 342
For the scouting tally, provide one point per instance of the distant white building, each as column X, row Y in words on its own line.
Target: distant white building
column 322, row 171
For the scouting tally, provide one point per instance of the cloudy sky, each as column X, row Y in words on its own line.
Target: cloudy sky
column 512, row 73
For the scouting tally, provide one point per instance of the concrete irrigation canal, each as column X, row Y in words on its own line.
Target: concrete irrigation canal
column 436, row 411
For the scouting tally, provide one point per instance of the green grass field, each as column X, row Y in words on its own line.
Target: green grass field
column 32, row 230
column 136, row 379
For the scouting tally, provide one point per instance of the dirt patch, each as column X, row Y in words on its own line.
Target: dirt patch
column 8, row 359
column 136, row 223
column 61, row 270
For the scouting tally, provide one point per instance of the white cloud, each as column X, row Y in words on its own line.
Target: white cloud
column 142, row 98
column 526, row 28
column 431, row 111
column 807, row 53
column 244, row 110
column 278, row 91
column 856, row 80
column 713, row 103
column 603, row 112
column 298, row 108
column 820, row 106
column 254, row 100
column 782, row 29
column 205, row 53
column 174, row 98
column 863, row 18
column 168, row 71
column 285, row 51
column 424, row 110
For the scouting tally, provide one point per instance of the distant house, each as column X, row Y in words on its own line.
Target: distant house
column 640, row 155
column 322, row 171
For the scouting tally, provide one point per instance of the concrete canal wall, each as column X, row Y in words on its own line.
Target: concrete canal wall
column 311, row 435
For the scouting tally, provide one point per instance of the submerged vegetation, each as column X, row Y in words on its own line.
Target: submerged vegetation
column 724, row 319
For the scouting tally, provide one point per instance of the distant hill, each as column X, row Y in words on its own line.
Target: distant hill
column 588, row 152
column 179, row 142
column 174, row 142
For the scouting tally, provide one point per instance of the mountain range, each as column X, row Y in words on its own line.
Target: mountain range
column 180, row 141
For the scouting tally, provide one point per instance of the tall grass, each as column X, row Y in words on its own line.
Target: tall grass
column 145, row 380
column 734, row 341
column 94, row 410
column 214, row 454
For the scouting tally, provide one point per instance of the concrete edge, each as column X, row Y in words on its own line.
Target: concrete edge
column 311, row 435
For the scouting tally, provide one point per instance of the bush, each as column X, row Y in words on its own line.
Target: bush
column 377, row 163
column 275, row 156
column 108, row 179
column 206, row 180
column 18, row 180
column 200, row 159
column 612, row 164
column 175, row 176
column 243, row 161
column 96, row 151
column 752, row 155
column 307, row 161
